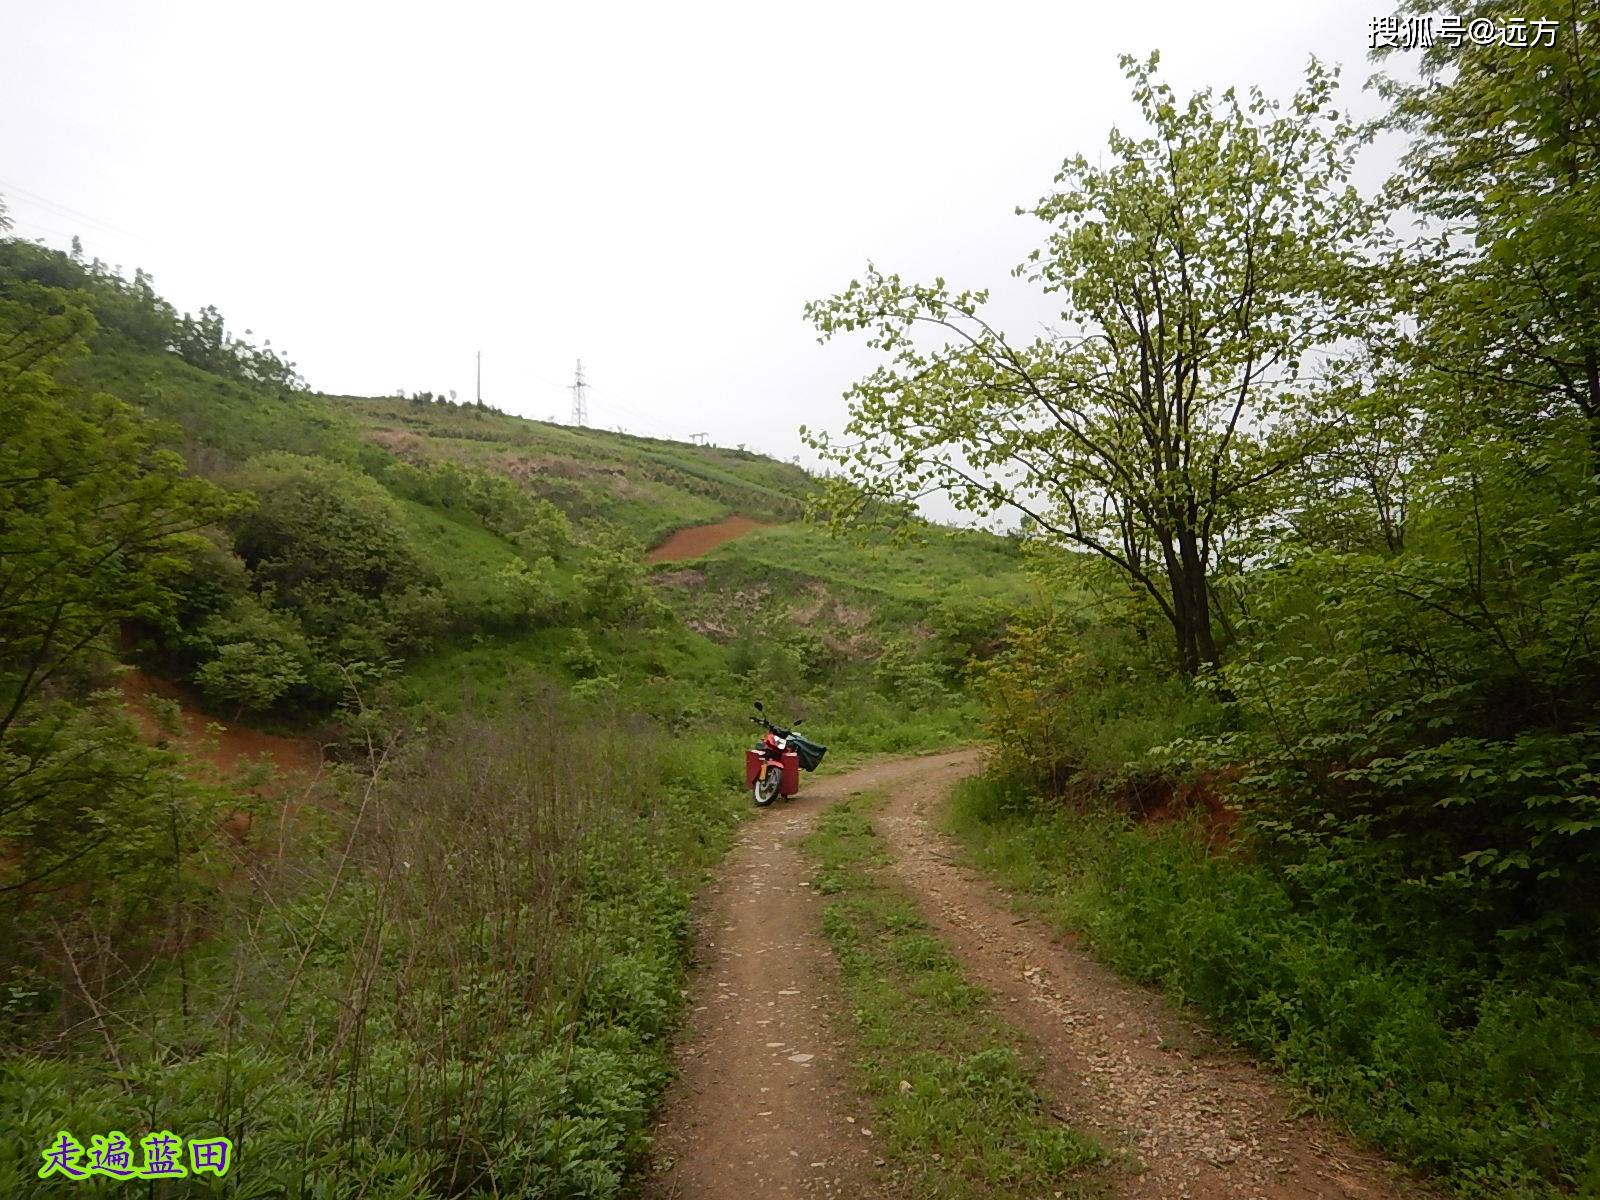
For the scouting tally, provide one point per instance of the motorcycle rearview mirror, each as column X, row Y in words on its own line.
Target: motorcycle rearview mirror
column 799, row 723
column 759, row 708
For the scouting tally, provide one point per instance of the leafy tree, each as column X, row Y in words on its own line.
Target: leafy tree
column 1206, row 272
column 94, row 522
column 1028, row 689
column 580, row 656
column 95, row 516
column 1430, row 718
column 204, row 342
column 526, row 590
column 543, row 529
column 907, row 676
column 1359, row 489
column 1504, row 165
column 251, row 675
column 966, row 630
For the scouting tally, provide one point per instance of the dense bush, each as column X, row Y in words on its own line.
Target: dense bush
column 1432, row 717
column 131, row 312
column 327, row 544
column 612, row 580
column 253, row 657
column 96, row 526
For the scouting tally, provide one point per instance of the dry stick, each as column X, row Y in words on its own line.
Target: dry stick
column 333, row 887
column 99, row 1017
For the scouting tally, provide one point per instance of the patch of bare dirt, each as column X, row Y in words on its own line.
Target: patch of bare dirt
column 695, row 540
column 687, row 579
column 761, row 1106
column 844, row 629
column 537, row 471
column 1201, row 1121
column 402, row 443
column 212, row 741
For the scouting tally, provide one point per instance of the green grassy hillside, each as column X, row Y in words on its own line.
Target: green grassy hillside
column 788, row 611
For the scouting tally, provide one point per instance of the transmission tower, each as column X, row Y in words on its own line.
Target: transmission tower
column 580, row 397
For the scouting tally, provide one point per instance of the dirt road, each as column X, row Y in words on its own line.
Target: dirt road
column 763, row 1105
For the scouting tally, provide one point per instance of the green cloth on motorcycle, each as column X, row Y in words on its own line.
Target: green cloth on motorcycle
column 809, row 753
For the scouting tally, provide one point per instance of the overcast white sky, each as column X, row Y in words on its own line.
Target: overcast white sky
column 384, row 189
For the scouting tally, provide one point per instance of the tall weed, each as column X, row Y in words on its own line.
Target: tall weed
column 455, row 980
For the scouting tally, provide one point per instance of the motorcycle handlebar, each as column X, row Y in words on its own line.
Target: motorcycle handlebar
column 766, row 724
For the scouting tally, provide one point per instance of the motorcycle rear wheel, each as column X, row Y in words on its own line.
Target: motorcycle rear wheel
column 765, row 789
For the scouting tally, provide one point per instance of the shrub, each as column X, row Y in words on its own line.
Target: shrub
column 253, row 657
column 614, row 582
column 322, row 535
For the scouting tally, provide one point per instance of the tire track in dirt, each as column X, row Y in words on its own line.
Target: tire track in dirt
column 762, row 1105
column 1122, row 1064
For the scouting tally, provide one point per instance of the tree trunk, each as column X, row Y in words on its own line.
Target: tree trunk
column 1191, row 605
column 1591, row 369
column 1187, row 644
column 1594, row 444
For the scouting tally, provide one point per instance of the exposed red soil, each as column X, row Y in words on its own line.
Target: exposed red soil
column 211, row 740
column 1159, row 801
column 695, row 540
column 1200, row 798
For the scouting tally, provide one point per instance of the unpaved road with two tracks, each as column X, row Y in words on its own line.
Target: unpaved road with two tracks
column 764, row 1103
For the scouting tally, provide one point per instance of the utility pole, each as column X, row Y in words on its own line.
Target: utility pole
column 480, row 376
column 580, row 397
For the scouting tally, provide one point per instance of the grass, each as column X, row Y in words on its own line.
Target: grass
column 958, row 1115
column 1492, row 1085
column 948, row 565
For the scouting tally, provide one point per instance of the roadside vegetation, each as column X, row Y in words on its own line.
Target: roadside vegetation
column 454, row 980
column 1301, row 721
column 958, row 1115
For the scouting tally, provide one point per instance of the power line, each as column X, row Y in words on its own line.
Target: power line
column 65, row 210
column 668, row 429
column 19, row 221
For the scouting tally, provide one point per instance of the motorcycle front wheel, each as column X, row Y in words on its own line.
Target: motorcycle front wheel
column 765, row 789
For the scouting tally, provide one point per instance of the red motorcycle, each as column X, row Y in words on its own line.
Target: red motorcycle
column 772, row 768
